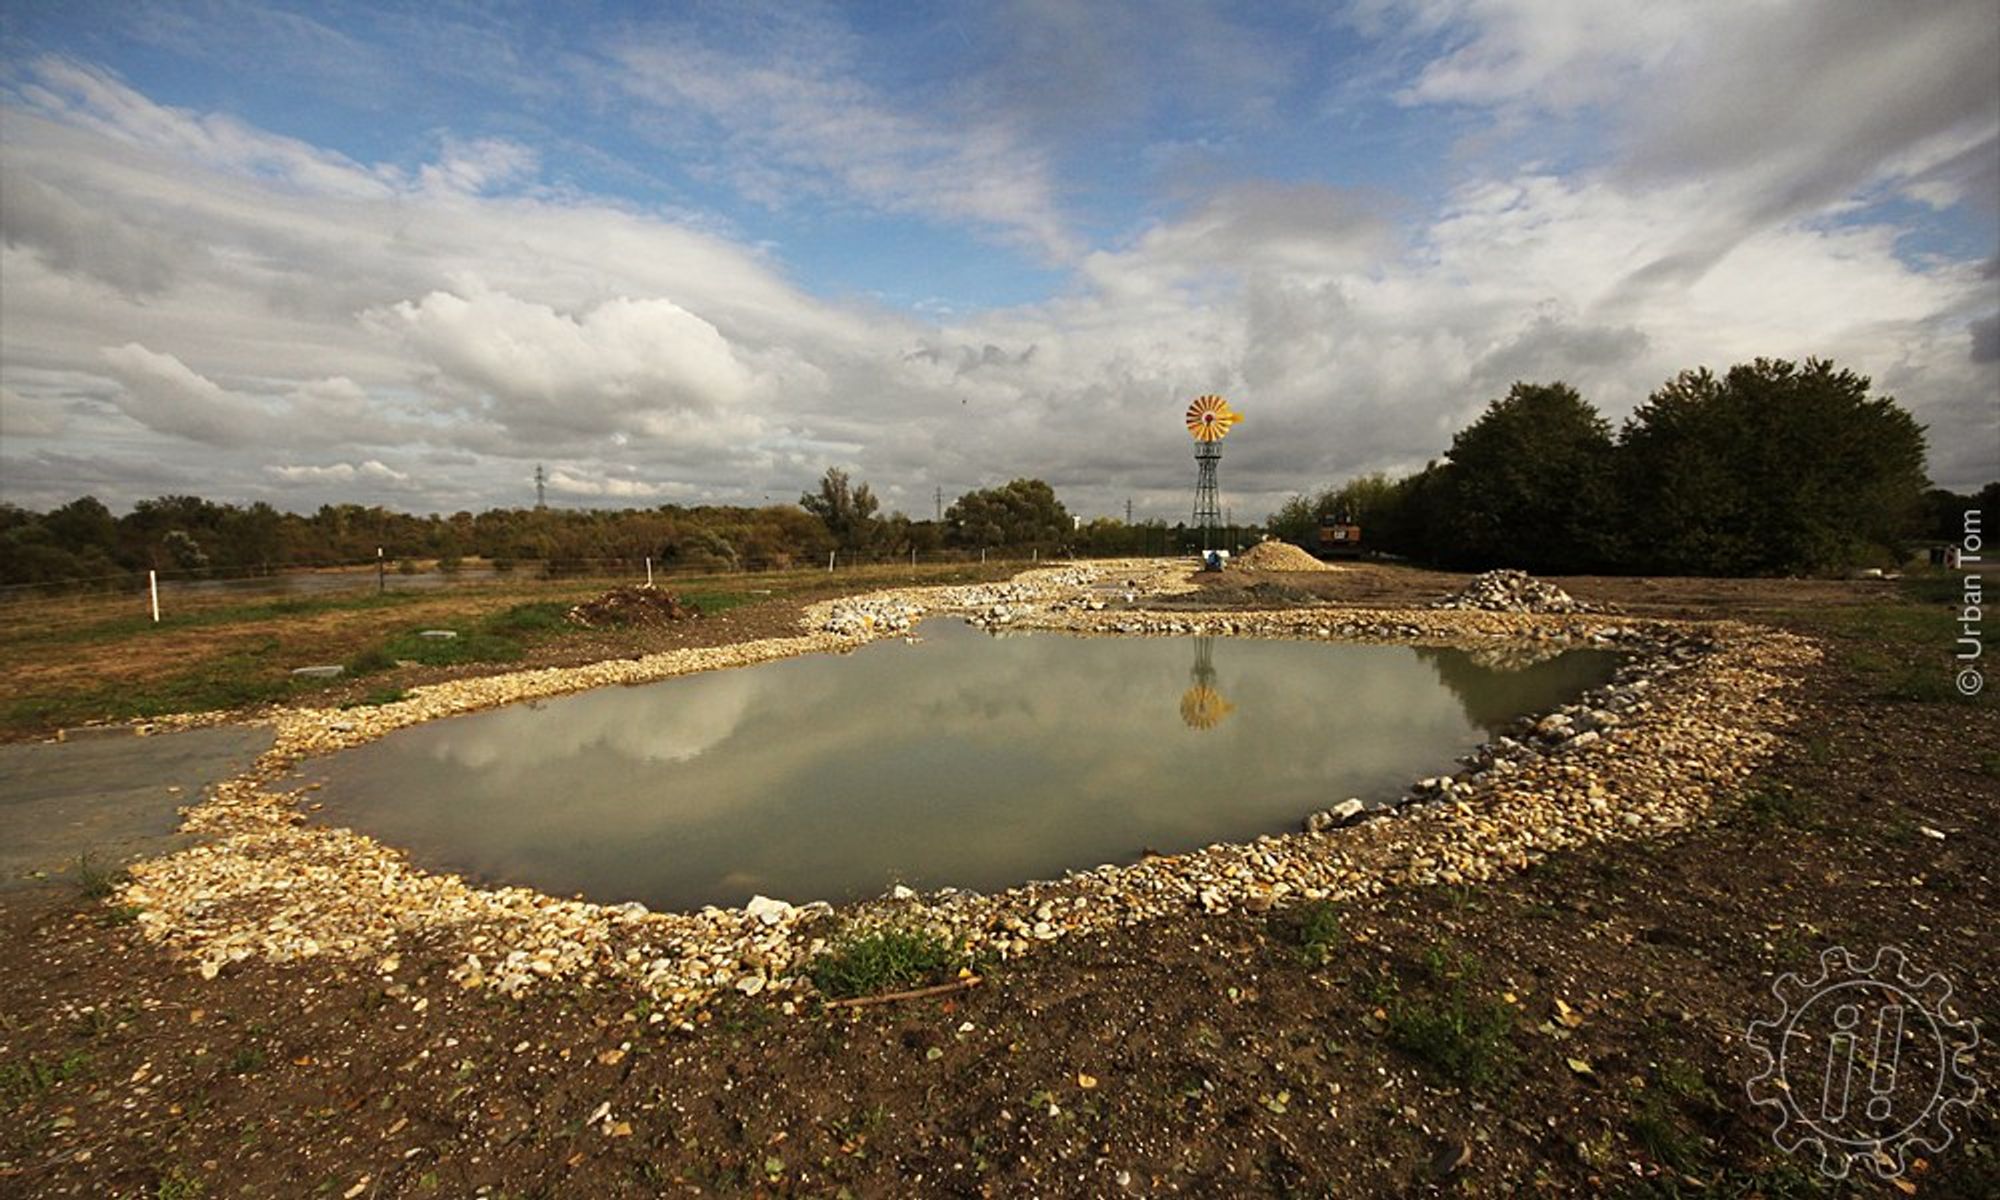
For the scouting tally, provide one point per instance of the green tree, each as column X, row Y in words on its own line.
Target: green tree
column 1024, row 512
column 1774, row 468
column 848, row 510
column 1529, row 484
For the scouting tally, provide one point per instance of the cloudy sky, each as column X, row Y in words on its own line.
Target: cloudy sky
column 401, row 254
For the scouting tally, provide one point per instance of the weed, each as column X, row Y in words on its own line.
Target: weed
column 1312, row 929
column 1777, row 804
column 177, row 1185
column 94, row 882
column 1464, row 1038
column 1989, row 766
column 247, row 1060
column 30, row 1076
column 1463, row 1035
column 884, row 960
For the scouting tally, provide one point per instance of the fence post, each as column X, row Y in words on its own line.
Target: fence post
column 381, row 573
column 829, row 560
column 649, row 570
column 913, row 557
column 153, row 585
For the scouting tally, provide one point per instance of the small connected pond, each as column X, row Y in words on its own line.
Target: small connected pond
column 966, row 760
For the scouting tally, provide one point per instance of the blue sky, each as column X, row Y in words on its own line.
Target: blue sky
column 400, row 253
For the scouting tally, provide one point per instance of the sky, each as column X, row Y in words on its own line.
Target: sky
column 401, row 254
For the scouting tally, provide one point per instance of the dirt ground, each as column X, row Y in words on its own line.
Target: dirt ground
column 1368, row 584
column 1607, row 994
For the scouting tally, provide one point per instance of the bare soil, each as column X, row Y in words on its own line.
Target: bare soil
column 1196, row 1056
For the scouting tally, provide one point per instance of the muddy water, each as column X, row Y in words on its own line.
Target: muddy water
column 966, row 760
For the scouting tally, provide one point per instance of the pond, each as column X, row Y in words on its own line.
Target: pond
column 964, row 760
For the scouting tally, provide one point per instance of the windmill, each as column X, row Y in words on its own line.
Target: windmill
column 1202, row 707
column 1209, row 419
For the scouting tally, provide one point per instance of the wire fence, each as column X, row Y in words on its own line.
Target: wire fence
column 180, row 588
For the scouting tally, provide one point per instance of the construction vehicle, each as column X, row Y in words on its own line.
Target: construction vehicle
column 1339, row 537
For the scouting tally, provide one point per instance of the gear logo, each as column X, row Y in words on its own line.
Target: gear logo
column 1864, row 1063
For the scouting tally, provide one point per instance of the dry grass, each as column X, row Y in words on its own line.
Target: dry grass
column 71, row 660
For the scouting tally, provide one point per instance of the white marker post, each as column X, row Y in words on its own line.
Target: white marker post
column 829, row 560
column 649, row 570
column 153, row 585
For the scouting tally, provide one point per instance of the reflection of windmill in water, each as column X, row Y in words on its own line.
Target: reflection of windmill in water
column 1202, row 707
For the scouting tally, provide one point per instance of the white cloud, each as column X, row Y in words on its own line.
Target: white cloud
column 786, row 123
column 567, row 483
column 371, row 471
column 161, row 393
column 632, row 366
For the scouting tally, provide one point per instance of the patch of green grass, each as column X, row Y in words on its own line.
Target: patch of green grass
column 537, row 617
column 247, row 1060
column 884, row 960
column 177, row 1185
column 1990, row 766
column 95, row 882
column 31, row 1076
column 1452, row 1026
column 1777, row 804
column 1312, row 930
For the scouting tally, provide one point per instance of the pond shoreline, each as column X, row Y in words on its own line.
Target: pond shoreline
column 1706, row 703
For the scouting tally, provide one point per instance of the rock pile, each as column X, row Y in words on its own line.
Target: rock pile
column 1514, row 591
column 1278, row 556
column 632, row 606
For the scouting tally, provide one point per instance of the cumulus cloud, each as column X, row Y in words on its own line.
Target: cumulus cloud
column 625, row 365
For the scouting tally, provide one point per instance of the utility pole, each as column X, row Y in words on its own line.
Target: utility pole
column 541, row 487
column 1128, row 510
column 940, row 506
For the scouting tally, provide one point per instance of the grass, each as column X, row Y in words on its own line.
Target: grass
column 177, row 1185
column 1312, row 930
column 1450, row 1025
column 1777, row 804
column 884, row 960
column 1899, row 650
column 79, row 659
column 31, row 1076
column 94, row 882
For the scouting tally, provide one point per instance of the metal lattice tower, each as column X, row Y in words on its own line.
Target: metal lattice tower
column 1209, row 420
column 1207, row 498
column 541, row 487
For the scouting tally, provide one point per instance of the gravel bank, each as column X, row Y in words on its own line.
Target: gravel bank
column 1692, row 713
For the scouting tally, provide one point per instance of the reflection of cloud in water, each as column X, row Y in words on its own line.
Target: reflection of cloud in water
column 964, row 760
column 637, row 724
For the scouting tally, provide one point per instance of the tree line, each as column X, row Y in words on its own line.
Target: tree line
column 1771, row 468
column 190, row 537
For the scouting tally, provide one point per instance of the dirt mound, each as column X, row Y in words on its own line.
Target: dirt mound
column 1278, row 556
column 1513, row 591
column 632, row 606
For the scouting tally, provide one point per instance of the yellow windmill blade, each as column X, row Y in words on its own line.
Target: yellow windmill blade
column 1209, row 418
